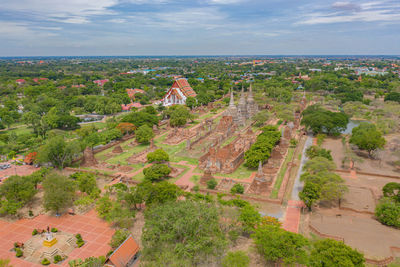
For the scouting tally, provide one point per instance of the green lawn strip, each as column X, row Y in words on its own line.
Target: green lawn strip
column 281, row 174
column 138, row 177
column 110, row 172
column 128, row 151
column 242, row 172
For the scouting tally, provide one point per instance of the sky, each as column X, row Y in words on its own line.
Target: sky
column 198, row 27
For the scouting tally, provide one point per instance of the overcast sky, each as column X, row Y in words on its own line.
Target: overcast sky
column 198, row 27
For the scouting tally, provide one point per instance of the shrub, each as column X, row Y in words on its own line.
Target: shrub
column 34, row 232
column 388, row 212
column 211, row 184
column 118, row 237
column 45, row 261
column 156, row 172
column 30, row 213
column 196, row 188
column 79, row 240
column 236, row 259
column 54, row 230
column 237, row 189
column 57, row 258
column 18, row 252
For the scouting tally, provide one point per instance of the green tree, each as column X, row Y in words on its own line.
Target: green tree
column 5, row 263
column 156, row 172
column 315, row 151
column 15, row 192
column 144, row 134
column 191, row 102
column 237, row 189
column 159, row 155
column 249, row 218
column 59, row 152
column 367, row 137
column 59, row 192
column 86, row 183
column 388, row 212
column 185, row 233
column 178, row 115
column 310, row 194
column 276, row 244
column 118, row 237
column 392, row 190
column 332, row 253
column 319, row 164
column 236, row 259
column 212, row 183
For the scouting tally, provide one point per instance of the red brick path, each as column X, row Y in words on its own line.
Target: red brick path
column 292, row 218
column 94, row 231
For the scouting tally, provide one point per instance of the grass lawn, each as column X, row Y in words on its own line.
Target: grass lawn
column 99, row 171
column 195, row 179
column 120, row 158
column 241, row 173
column 281, row 174
column 138, row 177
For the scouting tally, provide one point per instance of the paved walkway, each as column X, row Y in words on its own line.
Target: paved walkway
column 94, row 231
column 292, row 217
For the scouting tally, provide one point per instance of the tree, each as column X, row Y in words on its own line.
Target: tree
column 86, row 183
column 331, row 253
column 156, row 172
column 310, row 194
column 236, row 259
column 319, row 164
column 126, row 127
column 249, row 218
column 320, row 120
column 59, row 192
column 392, row 190
column 59, row 152
column 315, row 151
column 159, row 155
column 119, row 237
column 5, row 263
column 15, row 192
column 276, row 244
column 185, row 233
column 367, row 137
column 388, row 212
column 160, row 193
column 178, row 115
column 144, row 134
column 212, row 183
column 191, row 102
column 237, row 189
column 393, row 96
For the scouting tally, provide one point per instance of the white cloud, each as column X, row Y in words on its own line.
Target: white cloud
column 70, row 11
column 349, row 12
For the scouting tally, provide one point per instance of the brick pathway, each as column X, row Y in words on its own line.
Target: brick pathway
column 94, row 231
column 292, row 217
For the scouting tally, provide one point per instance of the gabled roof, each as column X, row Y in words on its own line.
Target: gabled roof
column 184, row 86
column 124, row 253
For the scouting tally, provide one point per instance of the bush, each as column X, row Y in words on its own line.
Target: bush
column 45, row 261
column 79, row 240
column 54, row 230
column 18, row 253
column 236, row 259
column 156, row 172
column 144, row 134
column 237, row 189
column 34, row 232
column 57, row 258
column 196, row 188
column 158, row 155
column 118, row 237
column 211, row 184
column 315, row 151
column 388, row 212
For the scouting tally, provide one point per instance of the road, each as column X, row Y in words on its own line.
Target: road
column 298, row 186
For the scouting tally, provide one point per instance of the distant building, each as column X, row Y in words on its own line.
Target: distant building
column 126, row 255
column 131, row 105
column 178, row 93
column 132, row 92
column 20, row 81
column 36, row 80
column 101, row 82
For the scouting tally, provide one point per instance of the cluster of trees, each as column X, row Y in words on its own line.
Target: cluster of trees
column 388, row 209
column 159, row 170
column 261, row 149
column 320, row 120
column 320, row 182
column 17, row 191
column 178, row 115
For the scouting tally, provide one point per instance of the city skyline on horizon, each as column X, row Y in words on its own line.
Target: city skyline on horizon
column 199, row 28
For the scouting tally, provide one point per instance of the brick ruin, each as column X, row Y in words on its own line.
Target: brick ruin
column 88, row 158
column 227, row 159
column 261, row 184
column 207, row 176
column 117, row 149
column 245, row 109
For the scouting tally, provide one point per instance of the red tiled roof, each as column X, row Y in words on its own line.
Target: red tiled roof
column 124, row 253
column 131, row 105
column 185, row 88
column 101, row 82
column 131, row 92
column 20, row 80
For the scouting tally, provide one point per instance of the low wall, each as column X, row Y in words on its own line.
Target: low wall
column 245, row 197
column 370, row 174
